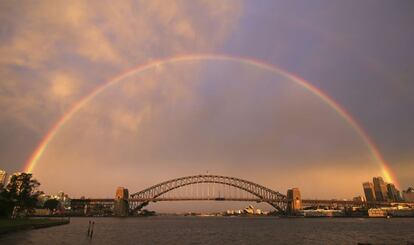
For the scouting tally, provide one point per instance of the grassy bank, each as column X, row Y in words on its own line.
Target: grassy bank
column 10, row 225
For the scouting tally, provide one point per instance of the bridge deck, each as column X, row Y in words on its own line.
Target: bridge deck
column 304, row 201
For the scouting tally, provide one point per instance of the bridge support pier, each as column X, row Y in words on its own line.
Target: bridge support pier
column 121, row 204
column 294, row 201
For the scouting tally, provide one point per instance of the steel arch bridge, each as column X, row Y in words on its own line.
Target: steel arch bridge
column 153, row 194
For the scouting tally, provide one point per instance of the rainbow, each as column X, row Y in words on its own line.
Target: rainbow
column 54, row 130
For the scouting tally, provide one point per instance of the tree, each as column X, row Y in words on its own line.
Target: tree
column 6, row 205
column 22, row 192
column 51, row 204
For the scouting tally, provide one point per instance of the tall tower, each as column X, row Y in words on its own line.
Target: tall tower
column 408, row 195
column 121, row 205
column 294, row 201
column 369, row 191
column 380, row 189
column 393, row 193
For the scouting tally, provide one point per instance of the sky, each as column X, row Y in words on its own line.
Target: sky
column 194, row 116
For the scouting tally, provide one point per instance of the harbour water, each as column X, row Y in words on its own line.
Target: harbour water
column 222, row 230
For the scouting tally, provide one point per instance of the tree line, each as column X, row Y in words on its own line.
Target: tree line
column 20, row 196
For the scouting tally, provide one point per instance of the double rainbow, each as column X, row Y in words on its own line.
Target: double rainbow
column 54, row 130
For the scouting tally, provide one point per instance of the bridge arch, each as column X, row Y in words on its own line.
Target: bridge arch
column 264, row 194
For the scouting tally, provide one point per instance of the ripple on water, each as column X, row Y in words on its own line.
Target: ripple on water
column 221, row 230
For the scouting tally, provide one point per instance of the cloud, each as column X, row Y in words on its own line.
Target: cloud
column 124, row 121
column 56, row 52
column 62, row 85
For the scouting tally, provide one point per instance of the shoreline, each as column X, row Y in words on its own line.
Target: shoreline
column 14, row 225
column 242, row 216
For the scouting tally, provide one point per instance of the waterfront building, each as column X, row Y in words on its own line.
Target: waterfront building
column 380, row 189
column 408, row 195
column 391, row 211
column 3, row 176
column 41, row 212
column 401, row 211
column 358, row 199
column 377, row 212
column 369, row 191
column 322, row 213
column 393, row 193
column 63, row 199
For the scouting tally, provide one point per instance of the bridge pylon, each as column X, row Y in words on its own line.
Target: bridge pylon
column 294, row 201
column 121, row 204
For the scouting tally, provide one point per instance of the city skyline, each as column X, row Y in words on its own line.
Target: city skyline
column 305, row 97
column 191, row 193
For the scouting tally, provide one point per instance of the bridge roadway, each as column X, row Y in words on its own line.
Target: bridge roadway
column 305, row 202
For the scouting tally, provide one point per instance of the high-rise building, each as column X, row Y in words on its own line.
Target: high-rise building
column 369, row 192
column 3, row 176
column 393, row 193
column 408, row 195
column 380, row 189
